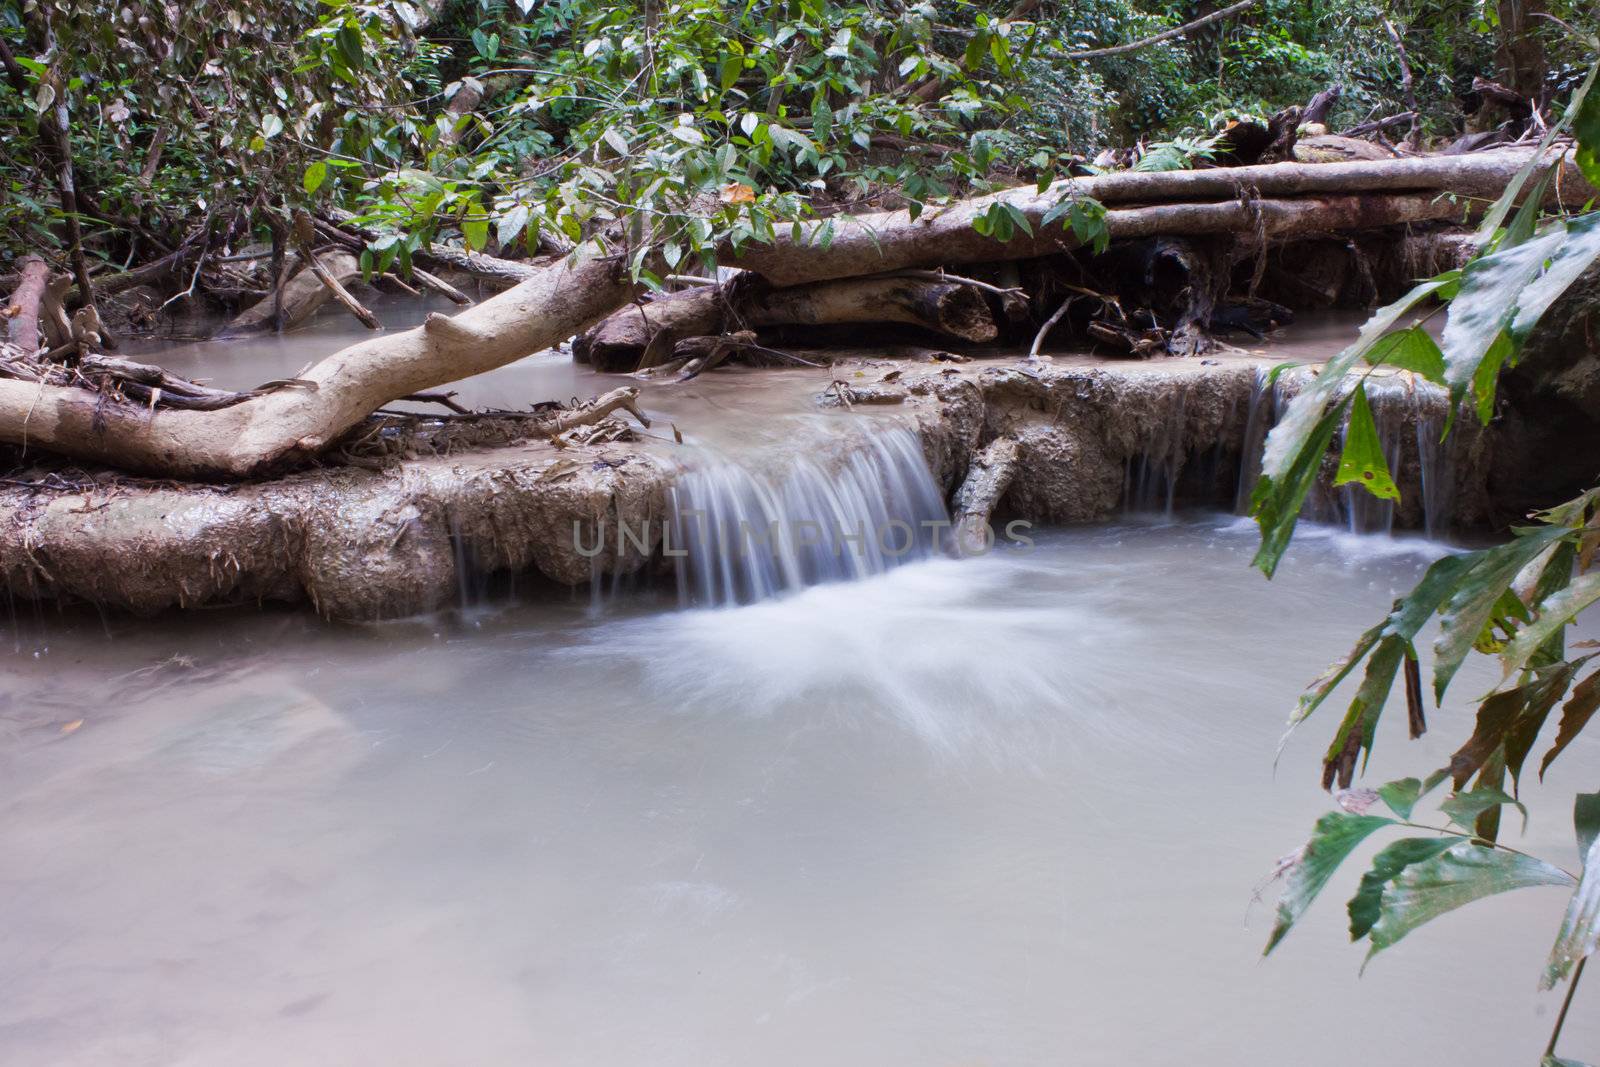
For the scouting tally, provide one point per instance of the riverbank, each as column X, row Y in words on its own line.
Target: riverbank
column 402, row 534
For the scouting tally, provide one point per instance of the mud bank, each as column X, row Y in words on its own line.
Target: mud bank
column 1093, row 440
column 353, row 543
column 1098, row 440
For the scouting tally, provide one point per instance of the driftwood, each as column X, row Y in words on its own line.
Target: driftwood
column 1262, row 204
column 23, row 312
column 647, row 335
column 1296, row 199
column 301, row 295
column 335, row 286
column 494, row 272
column 339, row 392
column 987, row 480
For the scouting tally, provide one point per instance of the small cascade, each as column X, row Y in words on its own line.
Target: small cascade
column 1410, row 422
column 1265, row 407
column 739, row 535
column 1150, row 481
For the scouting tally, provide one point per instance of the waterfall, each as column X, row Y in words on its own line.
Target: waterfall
column 739, row 535
column 1150, row 483
column 1410, row 421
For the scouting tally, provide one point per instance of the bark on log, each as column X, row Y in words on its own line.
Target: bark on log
column 987, row 480
column 23, row 328
column 492, row 271
column 303, row 294
column 945, row 307
column 288, row 424
column 643, row 336
column 618, row 343
column 1331, row 196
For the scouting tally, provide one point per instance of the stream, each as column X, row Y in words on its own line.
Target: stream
column 1005, row 810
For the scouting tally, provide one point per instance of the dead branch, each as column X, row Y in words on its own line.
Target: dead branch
column 22, row 329
column 1298, row 199
column 1165, row 35
column 988, row 478
column 288, row 424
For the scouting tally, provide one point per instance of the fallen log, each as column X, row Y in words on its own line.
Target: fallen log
column 290, row 424
column 950, row 308
column 643, row 336
column 1326, row 197
column 302, row 295
column 493, row 271
column 22, row 329
column 335, row 287
column 988, row 478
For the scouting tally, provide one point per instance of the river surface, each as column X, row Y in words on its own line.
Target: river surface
column 1007, row 810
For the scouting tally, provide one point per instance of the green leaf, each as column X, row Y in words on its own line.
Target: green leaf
column 1586, row 820
column 1412, row 349
column 1403, row 794
column 1365, row 907
column 315, row 175
column 1295, row 446
column 1586, row 128
column 1360, row 724
column 475, row 232
column 1580, row 929
column 1581, row 249
column 1464, row 808
column 1276, row 500
column 1405, row 620
column 1526, row 220
column 511, row 224
column 1018, row 218
column 1491, row 286
column 1558, row 610
column 1466, row 872
column 1333, row 839
column 1362, row 461
column 349, row 42
column 1575, row 715
column 1473, row 601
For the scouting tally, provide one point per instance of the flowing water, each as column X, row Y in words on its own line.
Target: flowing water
column 868, row 809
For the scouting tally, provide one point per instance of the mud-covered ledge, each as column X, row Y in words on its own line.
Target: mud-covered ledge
column 1094, row 440
column 354, row 543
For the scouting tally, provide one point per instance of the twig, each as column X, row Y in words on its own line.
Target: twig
column 395, row 280
column 440, row 286
column 354, row 306
column 1362, row 129
column 445, row 399
column 1178, row 31
column 1414, row 135
column 941, row 276
column 1561, row 1020
column 1049, row 324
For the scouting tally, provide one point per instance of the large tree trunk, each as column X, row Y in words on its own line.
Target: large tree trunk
column 1518, row 52
column 1327, row 197
column 341, row 390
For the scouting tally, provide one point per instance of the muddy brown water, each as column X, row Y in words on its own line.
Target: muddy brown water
column 1007, row 810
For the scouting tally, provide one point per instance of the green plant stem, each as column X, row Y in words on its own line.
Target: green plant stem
column 1561, row 1020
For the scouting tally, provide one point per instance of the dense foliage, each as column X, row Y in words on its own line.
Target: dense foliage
column 1512, row 602
column 511, row 124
